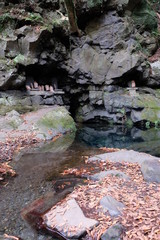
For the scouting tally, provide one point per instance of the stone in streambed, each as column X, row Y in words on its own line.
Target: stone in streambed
column 113, row 233
column 69, row 220
column 124, row 156
column 103, row 174
column 151, row 171
column 111, row 205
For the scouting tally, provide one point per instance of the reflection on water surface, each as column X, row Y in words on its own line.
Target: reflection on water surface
column 37, row 168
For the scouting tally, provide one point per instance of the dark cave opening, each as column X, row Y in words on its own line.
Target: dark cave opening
column 41, row 76
column 74, row 104
column 134, row 75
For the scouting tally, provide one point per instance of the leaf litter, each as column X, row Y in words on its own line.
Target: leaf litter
column 141, row 215
column 9, row 148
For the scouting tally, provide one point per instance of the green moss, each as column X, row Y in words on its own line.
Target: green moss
column 147, row 101
column 157, row 123
column 148, row 124
column 144, row 16
column 19, row 108
column 122, row 111
column 15, row 122
column 19, row 59
column 58, row 119
column 151, row 115
column 56, row 20
column 34, row 17
column 129, row 122
column 4, row 19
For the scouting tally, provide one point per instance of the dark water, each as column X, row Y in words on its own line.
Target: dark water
column 39, row 167
column 121, row 137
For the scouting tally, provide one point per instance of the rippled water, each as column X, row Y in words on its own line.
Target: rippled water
column 37, row 168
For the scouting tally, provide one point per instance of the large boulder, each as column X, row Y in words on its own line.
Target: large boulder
column 124, row 156
column 53, row 122
column 45, row 123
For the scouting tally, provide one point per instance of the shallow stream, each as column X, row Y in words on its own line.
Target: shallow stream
column 39, row 167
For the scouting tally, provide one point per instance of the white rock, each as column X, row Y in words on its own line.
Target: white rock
column 69, row 219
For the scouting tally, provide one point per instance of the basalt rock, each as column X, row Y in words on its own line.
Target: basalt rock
column 94, row 69
column 121, row 107
column 104, row 56
column 113, row 233
column 111, row 205
column 151, row 171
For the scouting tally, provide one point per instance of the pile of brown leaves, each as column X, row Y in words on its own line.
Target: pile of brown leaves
column 5, row 169
column 141, row 216
column 11, row 145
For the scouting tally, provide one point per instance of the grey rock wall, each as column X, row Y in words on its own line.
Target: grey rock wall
column 96, row 68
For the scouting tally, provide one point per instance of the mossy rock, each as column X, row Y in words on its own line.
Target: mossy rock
column 56, row 121
column 144, row 16
column 151, row 115
column 147, row 101
column 15, row 122
column 5, row 20
column 21, row 59
column 19, row 108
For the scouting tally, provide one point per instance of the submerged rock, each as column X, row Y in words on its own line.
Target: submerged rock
column 111, row 205
column 74, row 222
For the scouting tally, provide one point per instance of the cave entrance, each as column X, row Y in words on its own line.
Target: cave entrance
column 133, row 76
column 43, row 78
column 44, row 84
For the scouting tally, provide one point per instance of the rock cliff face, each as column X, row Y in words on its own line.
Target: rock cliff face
column 94, row 70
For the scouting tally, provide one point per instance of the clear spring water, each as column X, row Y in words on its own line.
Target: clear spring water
column 38, row 167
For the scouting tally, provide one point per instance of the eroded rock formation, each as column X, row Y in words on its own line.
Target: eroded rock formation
column 94, row 70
